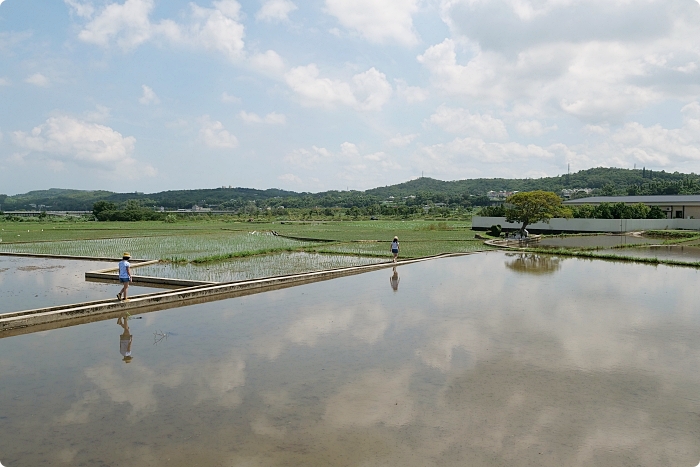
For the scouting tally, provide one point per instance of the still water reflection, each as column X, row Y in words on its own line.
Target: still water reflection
column 470, row 363
column 27, row 283
column 532, row 263
column 592, row 241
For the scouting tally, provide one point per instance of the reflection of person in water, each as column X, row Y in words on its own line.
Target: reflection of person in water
column 125, row 339
column 394, row 280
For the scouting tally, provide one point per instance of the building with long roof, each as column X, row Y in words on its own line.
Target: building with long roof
column 675, row 206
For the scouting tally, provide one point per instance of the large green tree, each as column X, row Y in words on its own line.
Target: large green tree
column 530, row 207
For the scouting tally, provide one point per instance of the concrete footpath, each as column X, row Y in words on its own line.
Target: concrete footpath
column 22, row 322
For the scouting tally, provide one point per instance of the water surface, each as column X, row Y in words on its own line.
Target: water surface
column 484, row 360
column 690, row 254
column 592, row 241
column 27, row 283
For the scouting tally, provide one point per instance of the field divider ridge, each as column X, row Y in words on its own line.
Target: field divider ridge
column 66, row 315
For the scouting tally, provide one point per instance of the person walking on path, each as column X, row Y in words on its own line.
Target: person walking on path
column 124, row 276
column 395, row 248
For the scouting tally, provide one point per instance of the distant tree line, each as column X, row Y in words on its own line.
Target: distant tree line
column 589, row 211
column 423, row 191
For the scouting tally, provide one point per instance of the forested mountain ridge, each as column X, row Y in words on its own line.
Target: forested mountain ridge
column 607, row 181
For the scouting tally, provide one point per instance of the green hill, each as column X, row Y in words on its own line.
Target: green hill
column 464, row 192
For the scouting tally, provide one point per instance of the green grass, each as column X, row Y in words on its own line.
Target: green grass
column 217, row 240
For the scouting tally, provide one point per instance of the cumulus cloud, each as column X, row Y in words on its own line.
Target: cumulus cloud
column 84, row 10
column 366, row 91
column 350, row 158
column 379, row 22
column 267, row 62
column 128, row 25
column 307, row 158
column 458, row 120
column 64, row 139
column 533, row 128
column 289, row 178
column 598, row 61
column 410, row 94
column 658, row 146
column 100, row 114
column 272, row 118
column 214, row 135
column 229, row 98
column 275, row 11
column 148, row 96
column 4, row 81
column 402, row 140
column 37, row 79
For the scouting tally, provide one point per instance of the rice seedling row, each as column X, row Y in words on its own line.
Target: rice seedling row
column 254, row 267
column 182, row 248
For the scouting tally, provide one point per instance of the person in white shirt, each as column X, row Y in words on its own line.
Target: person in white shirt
column 395, row 248
column 124, row 276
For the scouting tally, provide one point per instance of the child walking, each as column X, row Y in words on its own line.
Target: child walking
column 395, row 248
column 124, row 275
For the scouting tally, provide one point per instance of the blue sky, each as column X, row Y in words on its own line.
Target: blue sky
column 149, row 95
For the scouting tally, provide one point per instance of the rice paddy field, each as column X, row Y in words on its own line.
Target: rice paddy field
column 208, row 241
column 169, row 248
column 254, row 267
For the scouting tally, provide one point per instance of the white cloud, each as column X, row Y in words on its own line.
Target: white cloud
column 214, row 135
column 595, row 60
column 84, row 10
column 5, row 82
column 100, row 114
column 410, row 94
column 367, row 91
column 64, row 139
column 275, row 11
column 267, row 62
column 402, row 140
column 37, row 79
column 273, row 118
column 129, row 25
column 148, row 96
column 464, row 122
column 350, row 158
column 290, row 178
column 379, row 22
column 658, row 146
column 230, row 98
column 307, row 158
column 533, row 128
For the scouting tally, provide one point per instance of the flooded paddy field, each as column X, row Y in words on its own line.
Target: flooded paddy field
column 27, row 283
column 595, row 241
column 687, row 253
column 254, row 267
column 494, row 359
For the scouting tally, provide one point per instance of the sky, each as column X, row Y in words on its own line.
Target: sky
column 152, row 95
